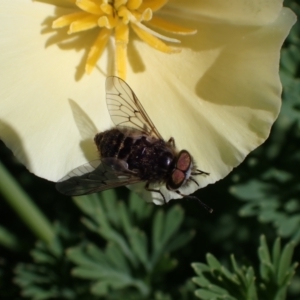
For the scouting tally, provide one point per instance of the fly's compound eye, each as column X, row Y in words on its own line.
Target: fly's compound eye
column 182, row 167
column 184, row 161
column 165, row 161
column 176, row 180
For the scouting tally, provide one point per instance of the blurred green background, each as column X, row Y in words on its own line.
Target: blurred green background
column 114, row 246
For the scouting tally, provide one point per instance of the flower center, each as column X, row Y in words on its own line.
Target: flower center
column 115, row 16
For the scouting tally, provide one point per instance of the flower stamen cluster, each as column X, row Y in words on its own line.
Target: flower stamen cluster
column 115, row 17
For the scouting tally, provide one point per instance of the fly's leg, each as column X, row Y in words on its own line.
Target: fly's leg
column 153, row 190
column 171, row 141
column 192, row 197
column 199, row 172
column 175, row 191
column 192, row 179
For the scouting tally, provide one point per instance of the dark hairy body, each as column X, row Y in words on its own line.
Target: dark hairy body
column 150, row 158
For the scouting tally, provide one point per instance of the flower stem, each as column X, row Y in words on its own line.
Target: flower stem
column 25, row 207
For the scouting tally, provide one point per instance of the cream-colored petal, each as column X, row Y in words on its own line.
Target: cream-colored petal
column 49, row 110
column 219, row 97
column 252, row 12
column 59, row 3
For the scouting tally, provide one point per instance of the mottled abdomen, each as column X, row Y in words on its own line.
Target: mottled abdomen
column 109, row 142
column 151, row 158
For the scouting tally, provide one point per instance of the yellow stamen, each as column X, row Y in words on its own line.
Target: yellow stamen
column 154, row 33
column 97, row 49
column 118, row 3
column 153, row 41
column 108, row 22
column 90, row 7
column 121, row 36
column 88, row 22
column 114, row 16
column 107, row 8
column 145, row 16
column 134, row 4
column 68, row 19
column 170, row 27
column 124, row 14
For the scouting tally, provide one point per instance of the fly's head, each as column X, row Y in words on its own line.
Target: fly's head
column 182, row 171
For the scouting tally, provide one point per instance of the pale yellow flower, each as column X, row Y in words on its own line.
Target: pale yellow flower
column 217, row 95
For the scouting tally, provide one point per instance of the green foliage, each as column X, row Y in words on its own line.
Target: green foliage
column 130, row 263
column 131, row 259
column 48, row 277
column 269, row 184
column 275, row 273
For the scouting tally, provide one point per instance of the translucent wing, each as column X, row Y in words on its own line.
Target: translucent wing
column 125, row 108
column 96, row 176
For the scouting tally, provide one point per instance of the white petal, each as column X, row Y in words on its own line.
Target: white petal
column 217, row 99
column 39, row 83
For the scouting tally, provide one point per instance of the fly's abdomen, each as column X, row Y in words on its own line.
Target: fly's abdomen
column 109, row 142
column 115, row 143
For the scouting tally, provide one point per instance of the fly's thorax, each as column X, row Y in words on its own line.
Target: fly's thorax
column 153, row 158
column 182, row 170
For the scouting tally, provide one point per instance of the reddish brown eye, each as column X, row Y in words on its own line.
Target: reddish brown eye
column 184, row 161
column 176, row 179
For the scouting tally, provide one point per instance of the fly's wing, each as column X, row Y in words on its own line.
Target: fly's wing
column 96, row 176
column 125, row 108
